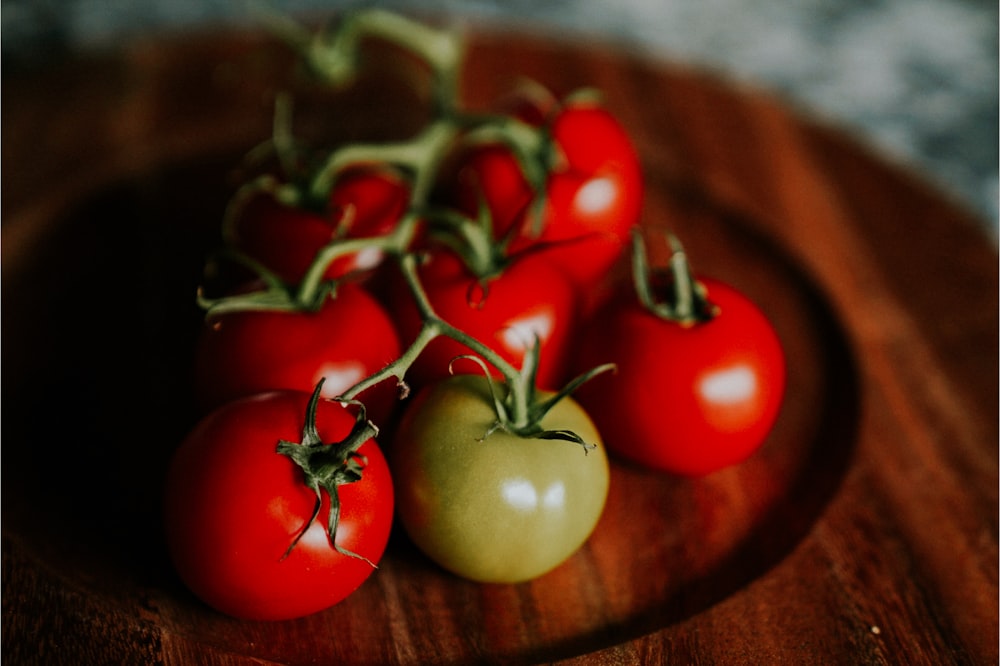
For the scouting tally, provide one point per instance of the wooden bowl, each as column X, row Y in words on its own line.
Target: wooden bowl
column 865, row 530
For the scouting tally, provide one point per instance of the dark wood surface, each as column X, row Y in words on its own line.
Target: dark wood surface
column 865, row 531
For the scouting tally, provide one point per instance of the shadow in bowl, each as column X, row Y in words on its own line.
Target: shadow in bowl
column 788, row 484
column 101, row 324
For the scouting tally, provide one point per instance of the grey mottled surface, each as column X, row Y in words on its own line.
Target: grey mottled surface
column 915, row 78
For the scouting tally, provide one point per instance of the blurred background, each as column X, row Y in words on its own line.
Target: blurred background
column 917, row 79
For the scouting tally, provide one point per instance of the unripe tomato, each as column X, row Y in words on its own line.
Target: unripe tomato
column 499, row 509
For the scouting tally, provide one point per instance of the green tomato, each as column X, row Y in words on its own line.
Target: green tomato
column 499, row 509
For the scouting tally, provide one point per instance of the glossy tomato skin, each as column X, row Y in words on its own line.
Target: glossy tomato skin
column 685, row 400
column 286, row 238
column 601, row 190
column 348, row 339
column 529, row 297
column 233, row 506
column 593, row 195
column 501, row 509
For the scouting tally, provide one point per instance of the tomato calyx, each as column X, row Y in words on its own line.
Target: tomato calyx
column 471, row 240
column 328, row 466
column 685, row 299
column 519, row 409
column 536, row 156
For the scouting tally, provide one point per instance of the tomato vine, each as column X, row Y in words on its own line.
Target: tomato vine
column 332, row 57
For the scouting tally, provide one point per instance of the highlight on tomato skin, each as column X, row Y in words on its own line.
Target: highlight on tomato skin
column 233, row 507
column 688, row 400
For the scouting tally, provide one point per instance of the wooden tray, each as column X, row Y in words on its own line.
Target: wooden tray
column 865, row 531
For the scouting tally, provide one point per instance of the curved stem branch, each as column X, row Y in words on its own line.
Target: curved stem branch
column 519, row 392
column 687, row 303
column 419, row 156
column 394, row 243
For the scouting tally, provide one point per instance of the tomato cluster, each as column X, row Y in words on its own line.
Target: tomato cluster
column 470, row 268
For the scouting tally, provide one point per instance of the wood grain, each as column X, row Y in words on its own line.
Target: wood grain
column 865, row 531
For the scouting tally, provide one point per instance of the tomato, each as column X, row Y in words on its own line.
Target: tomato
column 285, row 238
column 349, row 338
column 529, row 298
column 593, row 193
column 233, row 507
column 503, row 509
column 685, row 399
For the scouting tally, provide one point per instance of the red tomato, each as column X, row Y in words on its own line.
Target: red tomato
column 530, row 297
column 593, row 194
column 286, row 238
column 684, row 399
column 349, row 338
column 233, row 506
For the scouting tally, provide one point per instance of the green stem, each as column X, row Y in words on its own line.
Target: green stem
column 394, row 243
column 333, row 57
column 684, row 284
column 442, row 50
column 430, row 317
column 419, row 156
column 433, row 326
column 687, row 303
column 398, row 367
column 470, row 239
